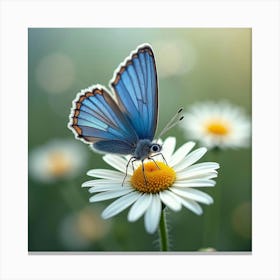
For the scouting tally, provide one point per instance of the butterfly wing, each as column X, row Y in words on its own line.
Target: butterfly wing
column 136, row 91
column 96, row 118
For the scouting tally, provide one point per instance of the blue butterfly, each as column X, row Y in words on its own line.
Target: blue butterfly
column 123, row 122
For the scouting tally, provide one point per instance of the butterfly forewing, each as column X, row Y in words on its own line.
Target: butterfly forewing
column 136, row 90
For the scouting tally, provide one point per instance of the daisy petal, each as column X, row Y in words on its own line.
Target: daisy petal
column 191, row 158
column 101, row 182
column 110, row 194
column 168, row 147
column 193, row 194
column 194, row 183
column 208, row 175
column 120, row 204
column 105, row 174
column 181, row 153
column 196, row 168
column 152, row 216
column 159, row 141
column 118, row 163
column 105, row 188
column 139, row 207
column 170, row 200
column 192, row 205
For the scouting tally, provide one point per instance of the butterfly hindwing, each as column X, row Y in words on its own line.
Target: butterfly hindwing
column 97, row 119
column 136, row 90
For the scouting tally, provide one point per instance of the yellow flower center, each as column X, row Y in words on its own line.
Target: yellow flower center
column 58, row 164
column 217, row 127
column 159, row 177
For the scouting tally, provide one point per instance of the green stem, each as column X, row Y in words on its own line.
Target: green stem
column 163, row 233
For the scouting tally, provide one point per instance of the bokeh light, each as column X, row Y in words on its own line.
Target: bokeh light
column 181, row 61
column 55, row 73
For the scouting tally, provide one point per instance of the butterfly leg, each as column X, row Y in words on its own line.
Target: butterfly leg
column 150, row 158
column 133, row 164
column 132, row 159
column 161, row 156
column 143, row 170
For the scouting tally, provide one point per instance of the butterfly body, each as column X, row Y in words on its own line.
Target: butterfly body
column 123, row 122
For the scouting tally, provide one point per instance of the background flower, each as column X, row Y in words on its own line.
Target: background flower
column 217, row 124
column 58, row 159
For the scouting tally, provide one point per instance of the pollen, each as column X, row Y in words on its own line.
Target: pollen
column 159, row 177
column 217, row 127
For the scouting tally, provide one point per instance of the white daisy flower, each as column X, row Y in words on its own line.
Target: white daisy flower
column 173, row 185
column 217, row 125
column 58, row 159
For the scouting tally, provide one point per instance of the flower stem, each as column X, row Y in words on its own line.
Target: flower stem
column 163, row 233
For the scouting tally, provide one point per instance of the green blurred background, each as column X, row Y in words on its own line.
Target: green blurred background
column 193, row 65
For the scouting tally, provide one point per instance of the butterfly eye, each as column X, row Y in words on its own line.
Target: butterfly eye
column 155, row 148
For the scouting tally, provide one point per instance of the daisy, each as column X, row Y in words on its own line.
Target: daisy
column 219, row 125
column 173, row 185
column 57, row 159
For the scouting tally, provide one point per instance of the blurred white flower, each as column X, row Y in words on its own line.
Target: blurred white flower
column 81, row 229
column 55, row 73
column 217, row 125
column 174, row 57
column 58, row 159
column 173, row 185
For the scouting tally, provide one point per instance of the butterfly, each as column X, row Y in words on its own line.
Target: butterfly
column 124, row 121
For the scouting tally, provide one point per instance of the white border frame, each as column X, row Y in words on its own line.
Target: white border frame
column 17, row 16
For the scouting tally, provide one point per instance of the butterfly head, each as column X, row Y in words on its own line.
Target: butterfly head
column 145, row 148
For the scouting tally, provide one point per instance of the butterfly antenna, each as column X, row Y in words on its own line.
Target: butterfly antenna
column 173, row 121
